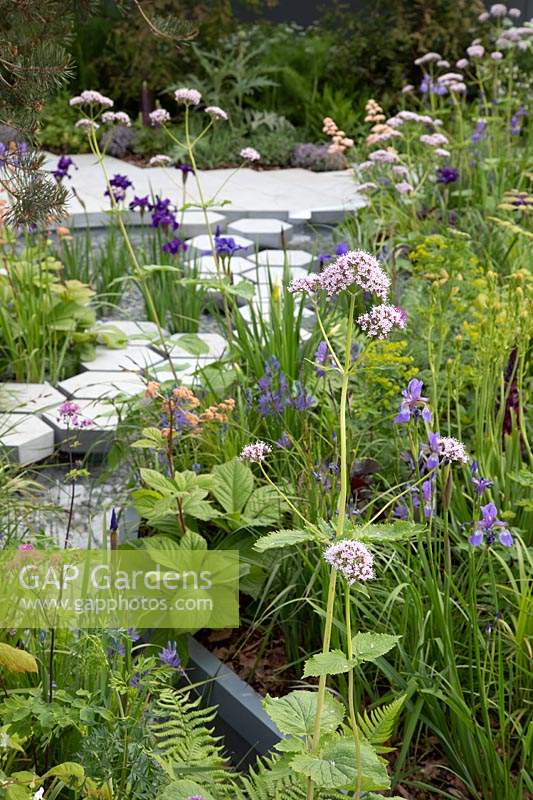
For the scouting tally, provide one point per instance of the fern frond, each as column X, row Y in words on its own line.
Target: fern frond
column 186, row 744
column 377, row 725
column 273, row 779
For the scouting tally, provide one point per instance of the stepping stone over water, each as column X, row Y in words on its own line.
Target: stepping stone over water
column 192, row 223
column 207, row 266
column 94, row 385
column 265, row 232
column 137, row 333
column 278, row 258
column 132, row 358
column 26, row 438
column 28, row 398
column 264, row 276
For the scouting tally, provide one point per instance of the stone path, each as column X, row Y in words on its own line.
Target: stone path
column 288, row 194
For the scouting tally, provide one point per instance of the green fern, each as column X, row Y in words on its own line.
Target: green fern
column 186, row 745
column 377, row 725
column 273, row 779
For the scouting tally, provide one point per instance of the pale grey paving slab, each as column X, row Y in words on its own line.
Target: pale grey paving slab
column 210, row 345
column 137, row 333
column 28, row 398
column 207, row 266
column 95, row 438
column 26, row 438
column 202, row 245
column 264, row 278
column 262, row 311
column 278, row 258
column 264, row 231
column 132, row 358
column 248, row 192
column 193, row 223
column 102, row 385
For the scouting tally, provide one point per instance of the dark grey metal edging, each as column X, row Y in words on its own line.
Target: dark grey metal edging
column 247, row 728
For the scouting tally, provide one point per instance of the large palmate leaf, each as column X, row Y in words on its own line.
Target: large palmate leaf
column 295, row 713
column 233, row 485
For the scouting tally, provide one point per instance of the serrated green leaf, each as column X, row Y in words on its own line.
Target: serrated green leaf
column 295, row 713
column 399, row 531
column 283, row 538
column 336, row 766
column 157, row 482
column 183, row 790
column 369, row 646
column 265, row 505
column 71, row 773
column 332, row 663
column 233, row 486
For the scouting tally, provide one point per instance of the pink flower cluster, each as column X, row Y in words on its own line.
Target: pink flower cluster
column 117, row 116
column 159, row 160
column 159, row 116
column 216, row 113
column 352, row 559
column 86, row 124
column 255, row 453
column 355, row 268
column 90, row 97
column 190, row 97
column 250, row 154
column 69, row 413
column 427, row 58
column 380, row 320
column 389, row 156
column 452, row 449
column 434, row 139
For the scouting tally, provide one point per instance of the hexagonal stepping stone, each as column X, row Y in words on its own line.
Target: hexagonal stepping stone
column 278, row 258
column 264, row 231
column 137, row 333
column 93, row 385
column 186, row 371
column 264, row 276
column 95, row 438
column 262, row 311
column 193, row 223
column 28, row 398
column 197, row 346
column 26, row 438
column 132, row 358
column 207, row 266
column 202, row 246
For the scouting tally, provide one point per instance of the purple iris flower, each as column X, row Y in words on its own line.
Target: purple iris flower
column 401, row 511
column 225, row 245
column 169, row 655
column 486, row 527
column 340, row 250
column 447, row 175
column 434, row 450
column 162, row 214
column 274, row 394
column 479, row 483
column 113, row 525
column 142, row 203
column 185, row 169
column 479, row 131
column 302, row 401
column 62, row 167
column 174, row 247
column 413, row 403
column 119, row 184
column 284, row 442
column 321, row 358
column 427, row 493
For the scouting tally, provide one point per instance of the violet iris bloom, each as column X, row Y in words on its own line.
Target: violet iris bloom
column 447, row 175
column 321, row 358
column 225, row 245
column 169, row 656
column 174, row 247
column 413, row 403
column 119, row 184
column 62, row 167
column 486, row 527
column 142, row 203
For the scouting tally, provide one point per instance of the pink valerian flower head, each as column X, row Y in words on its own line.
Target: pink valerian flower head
column 514, row 12
column 352, row 559
column 484, row 16
column 364, row 165
column 442, row 152
column 389, row 156
column 434, row 139
column 450, row 77
column 476, row 51
column 381, row 320
column 443, row 64
column 25, row 547
column 86, row 124
column 159, row 116
column 117, row 116
column 255, row 453
column 159, row 160
column 308, row 283
column 427, row 58
column 69, row 413
column 216, row 113
column 403, row 187
column 399, row 169
column 462, row 63
column 90, row 97
column 368, row 186
column 190, row 97
column 250, row 154
column 498, row 10
column 408, row 88
column 355, row 268
column 459, row 87
column 452, row 450
column 496, row 55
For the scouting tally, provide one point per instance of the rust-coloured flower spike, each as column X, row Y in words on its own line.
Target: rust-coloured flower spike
column 152, row 388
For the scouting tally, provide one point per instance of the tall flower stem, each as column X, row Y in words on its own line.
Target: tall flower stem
column 341, row 507
column 351, row 692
